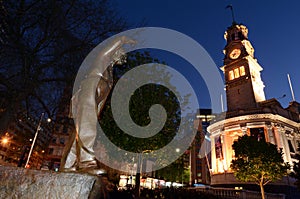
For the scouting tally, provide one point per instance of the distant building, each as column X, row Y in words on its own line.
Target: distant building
column 17, row 140
column 63, row 130
column 248, row 112
column 199, row 154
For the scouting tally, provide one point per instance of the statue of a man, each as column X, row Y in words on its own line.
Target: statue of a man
column 87, row 104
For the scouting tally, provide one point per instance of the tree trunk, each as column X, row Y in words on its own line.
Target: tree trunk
column 262, row 190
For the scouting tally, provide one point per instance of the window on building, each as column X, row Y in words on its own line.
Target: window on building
column 65, row 129
column 258, row 133
column 291, row 147
column 53, row 140
column 242, row 71
column 241, row 36
column 237, row 36
column 233, row 36
column 58, row 152
column 218, row 147
column 51, row 151
column 298, row 145
column 62, row 140
column 231, row 75
column 236, row 73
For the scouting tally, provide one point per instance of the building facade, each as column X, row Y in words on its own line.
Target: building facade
column 62, row 135
column 199, row 155
column 248, row 112
column 18, row 138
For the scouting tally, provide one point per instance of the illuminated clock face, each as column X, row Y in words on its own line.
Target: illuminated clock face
column 235, row 53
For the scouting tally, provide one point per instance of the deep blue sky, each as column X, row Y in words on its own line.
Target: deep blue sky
column 274, row 31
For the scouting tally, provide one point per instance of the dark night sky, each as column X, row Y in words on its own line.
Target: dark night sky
column 274, row 32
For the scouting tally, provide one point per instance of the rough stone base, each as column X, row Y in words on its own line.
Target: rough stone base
column 27, row 183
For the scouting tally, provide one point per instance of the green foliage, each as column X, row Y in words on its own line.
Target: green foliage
column 257, row 161
column 139, row 105
column 175, row 172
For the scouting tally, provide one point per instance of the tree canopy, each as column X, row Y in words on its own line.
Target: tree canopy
column 140, row 103
column 257, row 161
column 42, row 45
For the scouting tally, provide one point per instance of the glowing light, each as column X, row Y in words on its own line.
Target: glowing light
column 4, row 140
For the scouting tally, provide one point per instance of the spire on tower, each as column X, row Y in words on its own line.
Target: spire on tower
column 232, row 13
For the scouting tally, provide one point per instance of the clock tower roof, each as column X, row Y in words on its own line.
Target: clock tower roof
column 238, row 44
column 236, row 32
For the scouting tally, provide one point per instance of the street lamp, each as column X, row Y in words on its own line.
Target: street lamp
column 35, row 136
column 4, row 141
column 138, row 172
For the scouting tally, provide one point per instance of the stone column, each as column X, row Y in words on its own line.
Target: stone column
column 213, row 155
column 244, row 130
column 284, row 144
column 224, row 150
column 271, row 133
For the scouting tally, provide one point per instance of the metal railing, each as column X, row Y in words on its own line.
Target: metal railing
column 228, row 193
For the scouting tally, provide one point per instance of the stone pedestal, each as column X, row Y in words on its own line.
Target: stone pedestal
column 26, row 183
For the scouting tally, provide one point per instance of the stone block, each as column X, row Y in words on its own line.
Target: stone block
column 28, row 183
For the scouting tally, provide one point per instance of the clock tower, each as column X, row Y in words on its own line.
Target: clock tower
column 244, row 87
column 249, row 113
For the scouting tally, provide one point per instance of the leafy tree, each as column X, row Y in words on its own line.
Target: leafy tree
column 175, row 172
column 139, row 105
column 140, row 102
column 296, row 169
column 42, row 44
column 257, row 161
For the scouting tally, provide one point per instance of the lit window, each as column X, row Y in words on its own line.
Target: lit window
column 231, row 75
column 242, row 71
column 236, row 73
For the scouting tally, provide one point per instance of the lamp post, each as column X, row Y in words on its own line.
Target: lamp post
column 138, row 173
column 34, row 139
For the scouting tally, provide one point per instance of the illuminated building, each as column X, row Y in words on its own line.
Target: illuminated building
column 199, row 160
column 63, row 130
column 19, row 136
column 248, row 112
